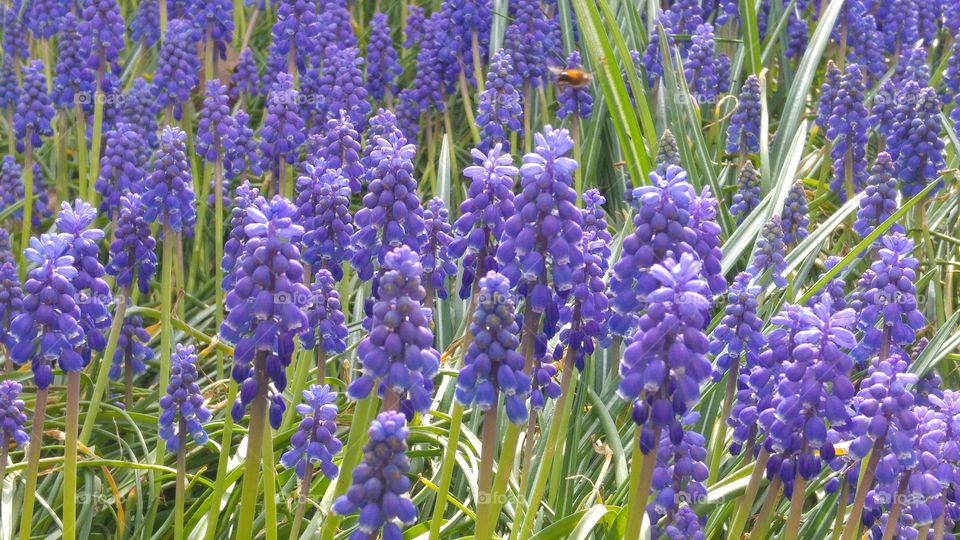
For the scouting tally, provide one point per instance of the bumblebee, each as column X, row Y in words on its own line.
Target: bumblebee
column 572, row 77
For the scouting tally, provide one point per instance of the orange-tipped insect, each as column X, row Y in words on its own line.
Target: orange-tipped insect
column 573, row 77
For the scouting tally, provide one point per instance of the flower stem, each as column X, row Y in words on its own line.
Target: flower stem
column 552, row 451
column 487, row 520
column 70, row 457
column 893, row 518
column 97, row 138
column 302, row 501
column 225, row 444
column 255, row 434
column 578, row 172
column 103, row 374
column 181, row 487
column 477, row 64
column 446, row 470
column 796, row 507
column 841, row 509
column 717, row 443
column 33, row 463
column 362, row 415
column 63, row 192
column 638, row 496
column 488, row 449
column 269, row 485
column 468, row 108
column 218, row 250
column 166, row 304
column 27, row 224
column 863, row 486
column 745, row 504
column 766, row 511
column 80, row 129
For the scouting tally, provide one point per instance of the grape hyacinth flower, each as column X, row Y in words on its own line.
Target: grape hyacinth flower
column 11, row 302
column 133, row 250
column 488, row 205
column 391, row 215
column 341, row 84
column 245, row 80
column 122, row 169
column 9, row 86
column 72, row 77
column 215, row 124
column 880, row 199
column 334, row 26
column 34, row 111
column 528, row 40
column 398, row 350
column 680, row 475
column 169, row 196
column 708, row 76
column 890, row 297
column 828, row 93
column 438, row 265
column 543, row 375
column 738, row 334
column 461, row 30
column 492, row 365
column 266, row 305
column 747, row 197
column 12, row 190
column 668, row 153
column 663, row 368
column 145, row 26
column 43, row 17
column 6, row 247
column 138, row 112
column 768, row 254
column 183, row 409
column 575, row 101
column 132, row 352
column 323, row 209
column 546, row 217
column 380, row 482
column 338, row 146
column 382, row 125
column 315, row 441
column 500, row 108
column 327, row 329
column 414, row 27
column 93, row 293
column 102, row 30
column 383, row 66
column 795, row 220
column 213, row 20
column 241, row 150
column 743, row 133
column 15, row 44
column 11, row 411
column 282, row 133
column 847, row 129
column 916, row 140
column 48, row 329
column 292, row 36
column 178, row 70
column 245, row 198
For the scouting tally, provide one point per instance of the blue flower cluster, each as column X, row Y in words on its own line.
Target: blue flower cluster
column 500, row 109
column 123, row 168
column 182, row 406
column 133, row 250
column 168, row 197
column 880, row 197
column 132, row 352
column 768, row 254
column 12, row 417
column 576, row 101
column 743, row 133
column 327, row 324
column 315, row 442
column 323, row 209
column 747, row 197
column 438, row 265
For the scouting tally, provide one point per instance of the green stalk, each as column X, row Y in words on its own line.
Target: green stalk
column 97, row 137
column 166, row 304
column 218, row 250
column 26, row 226
column 302, row 501
column 79, row 126
column 60, row 142
column 717, row 443
column 70, row 457
column 362, row 415
column 766, row 511
column 641, row 488
column 103, row 375
column 488, row 449
column 745, row 504
column 487, row 521
column 552, row 450
column 33, row 463
column 255, row 435
column 468, row 108
column 578, row 172
column 238, row 23
column 297, row 383
column 477, row 64
column 446, row 470
column 796, row 507
column 841, row 509
column 163, row 21
column 181, row 488
column 226, row 442
column 269, row 485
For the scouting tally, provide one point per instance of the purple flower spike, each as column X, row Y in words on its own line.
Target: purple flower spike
column 489, row 203
column 241, row 150
column 529, row 40
column 48, row 329
column 342, row 88
column 178, row 70
column 34, row 108
column 14, row 35
column 768, row 254
column 315, row 442
column 215, row 126
column 282, row 133
column 380, row 482
column 9, row 87
column 11, row 301
column 323, row 208
column 145, row 26
column 6, row 248
column 338, row 146
column 391, row 215
column 293, row 35
column 213, row 18
column 747, row 197
column 12, row 189
column 139, row 112
column 743, row 134
column 93, row 293
column 246, row 198
column 169, row 196
column 43, row 17
column 383, row 66
column 122, row 168
column 708, row 75
column 398, row 350
column 102, row 31
column 573, row 100
column 11, row 413
column 327, row 322
column 738, row 334
column 828, row 93
column 492, row 364
column 794, row 220
column 890, row 296
column 545, row 232
column 680, row 475
column 182, row 407
column 915, row 143
column 438, row 265
column 416, row 21
column 246, row 77
column 266, row 303
column 847, row 128
column 133, row 250
column 132, row 349
column 880, row 200
column 664, row 366
column 501, row 108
